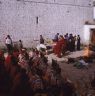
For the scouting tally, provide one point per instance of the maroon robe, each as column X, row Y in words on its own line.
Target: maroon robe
column 58, row 47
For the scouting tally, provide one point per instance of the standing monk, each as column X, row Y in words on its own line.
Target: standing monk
column 56, row 37
column 60, row 45
column 20, row 45
column 78, row 42
column 9, row 43
column 41, row 39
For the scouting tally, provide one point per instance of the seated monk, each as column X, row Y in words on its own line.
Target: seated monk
column 2, row 66
column 23, row 59
column 16, row 53
column 8, row 62
column 11, row 64
column 59, row 45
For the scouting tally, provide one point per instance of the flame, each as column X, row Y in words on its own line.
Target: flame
column 86, row 51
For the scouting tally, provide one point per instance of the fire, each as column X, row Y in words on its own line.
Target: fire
column 86, row 51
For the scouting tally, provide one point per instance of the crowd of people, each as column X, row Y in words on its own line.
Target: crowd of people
column 24, row 73
column 29, row 74
column 62, row 43
column 66, row 43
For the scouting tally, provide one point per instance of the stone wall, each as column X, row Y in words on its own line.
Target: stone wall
column 27, row 19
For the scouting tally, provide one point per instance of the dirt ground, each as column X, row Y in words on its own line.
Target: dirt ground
column 72, row 72
column 77, row 74
column 80, row 77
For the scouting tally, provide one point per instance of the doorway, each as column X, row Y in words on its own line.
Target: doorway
column 92, row 37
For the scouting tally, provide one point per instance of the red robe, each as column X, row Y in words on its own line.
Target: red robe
column 58, row 47
column 16, row 54
column 8, row 63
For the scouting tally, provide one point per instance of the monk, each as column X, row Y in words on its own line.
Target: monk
column 59, row 45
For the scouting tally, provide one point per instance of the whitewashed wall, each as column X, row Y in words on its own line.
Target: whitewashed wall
column 87, row 33
column 18, row 18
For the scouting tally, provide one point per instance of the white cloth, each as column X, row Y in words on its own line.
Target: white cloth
column 8, row 41
column 83, row 62
column 41, row 46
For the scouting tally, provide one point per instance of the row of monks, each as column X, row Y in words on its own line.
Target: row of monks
column 24, row 73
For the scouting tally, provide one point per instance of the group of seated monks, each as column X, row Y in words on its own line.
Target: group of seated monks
column 25, row 73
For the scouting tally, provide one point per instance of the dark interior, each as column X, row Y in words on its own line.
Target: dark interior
column 92, row 40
